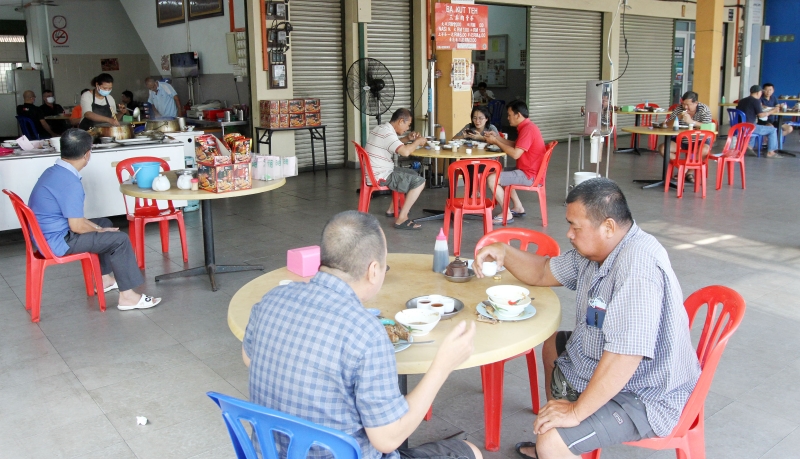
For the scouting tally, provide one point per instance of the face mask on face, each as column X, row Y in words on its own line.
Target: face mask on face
column 50, row 100
column 103, row 92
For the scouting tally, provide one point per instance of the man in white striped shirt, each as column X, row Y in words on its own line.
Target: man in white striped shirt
column 382, row 144
column 689, row 111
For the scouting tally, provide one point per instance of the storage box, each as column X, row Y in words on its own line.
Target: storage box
column 269, row 107
column 209, row 152
column 284, row 121
column 296, row 106
column 303, row 261
column 213, row 115
column 284, row 107
column 241, row 177
column 217, row 179
column 241, row 151
column 297, row 120
column 270, row 121
column 313, row 119
column 311, row 105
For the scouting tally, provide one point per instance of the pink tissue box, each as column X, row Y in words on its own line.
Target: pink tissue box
column 303, row 261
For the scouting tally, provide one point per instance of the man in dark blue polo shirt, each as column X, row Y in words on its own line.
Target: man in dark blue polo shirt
column 57, row 200
column 751, row 106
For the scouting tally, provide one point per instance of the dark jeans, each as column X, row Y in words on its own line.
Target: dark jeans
column 115, row 252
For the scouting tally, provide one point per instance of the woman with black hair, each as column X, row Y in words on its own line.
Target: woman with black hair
column 480, row 124
column 98, row 106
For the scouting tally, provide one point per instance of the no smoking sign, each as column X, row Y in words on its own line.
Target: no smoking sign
column 60, row 36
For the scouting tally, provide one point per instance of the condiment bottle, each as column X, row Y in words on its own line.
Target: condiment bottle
column 195, row 184
column 442, row 136
column 441, row 254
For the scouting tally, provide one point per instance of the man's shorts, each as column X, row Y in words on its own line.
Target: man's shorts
column 402, row 180
column 442, row 449
column 515, row 177
column 622, row 419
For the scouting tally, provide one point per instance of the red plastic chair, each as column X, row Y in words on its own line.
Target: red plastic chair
column 492, row 374
column 725, row 312
column 365, row 195
column 690, row 157
column 146, row 211
column 732, row 154
column 644, row 121
column 474, row 200
column 538, row 186
column 672, row 108
column 36, row 261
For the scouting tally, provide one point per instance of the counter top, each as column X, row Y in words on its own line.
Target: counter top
column 52, row 152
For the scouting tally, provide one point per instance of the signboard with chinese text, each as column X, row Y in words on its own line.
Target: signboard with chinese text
column 462, row 26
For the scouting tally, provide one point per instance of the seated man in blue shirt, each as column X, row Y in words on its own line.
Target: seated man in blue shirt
column 315, row 352
column 57, row 200
column 769, row 100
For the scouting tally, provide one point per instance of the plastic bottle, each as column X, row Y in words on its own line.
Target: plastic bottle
column 646, row 104
column 722, row 101
column 441, row 254
column 442, row 136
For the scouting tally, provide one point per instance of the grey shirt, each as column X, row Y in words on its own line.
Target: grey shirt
column 644, row 316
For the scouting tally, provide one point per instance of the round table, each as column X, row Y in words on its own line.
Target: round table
column 666, row 133
column 637, row 123
column 57, row 117
column 411, row 276
column 781, row 115
column 174, row 193
column 456, row 154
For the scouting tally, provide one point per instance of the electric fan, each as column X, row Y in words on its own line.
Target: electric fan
column 370, row 87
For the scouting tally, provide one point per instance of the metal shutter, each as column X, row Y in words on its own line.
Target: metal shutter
column 649, row 73
column 389, row 41
column 565, row 47
column 318, row 72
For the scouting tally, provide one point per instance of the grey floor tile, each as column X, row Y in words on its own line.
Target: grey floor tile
column 220, row 452
column 30, row 370
column 183, row 440
column 81, row 437
column 117, row 451
column 744, row 432
column 787, row 447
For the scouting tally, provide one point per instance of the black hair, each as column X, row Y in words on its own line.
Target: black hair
column 518, row 107
column 127, row 94
column 483, row 109
column 102, row 78
column 602, row 198
column 85, row 90
column 401, row 114
column 75, row 143
column 47, row 91
column 768, row 84
column 351, row 240
column 482, row 84
column 690, row 95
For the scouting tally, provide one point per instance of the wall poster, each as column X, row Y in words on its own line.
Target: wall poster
column 491, row 65
column 170, row 12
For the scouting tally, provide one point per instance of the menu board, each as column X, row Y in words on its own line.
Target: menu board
column 462, row 26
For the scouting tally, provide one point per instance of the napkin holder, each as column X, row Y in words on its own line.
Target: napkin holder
column 303, row 261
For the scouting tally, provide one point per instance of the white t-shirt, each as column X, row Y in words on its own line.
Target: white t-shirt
column 382, row 144
column 86, row 103
column 477, row 98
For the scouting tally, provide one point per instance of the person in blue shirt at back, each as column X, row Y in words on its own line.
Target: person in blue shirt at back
column 57, row 200
column 164, row 98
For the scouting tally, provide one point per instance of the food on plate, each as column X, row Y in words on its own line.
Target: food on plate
column 396, row 332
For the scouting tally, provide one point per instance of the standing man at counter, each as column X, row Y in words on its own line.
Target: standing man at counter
column 29, row 110
column 51, row 108
column 164, row 98
column 57, row 200
column 98, row 106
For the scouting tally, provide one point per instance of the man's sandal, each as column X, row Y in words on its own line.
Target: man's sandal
column 145, row 302
column 526, row 444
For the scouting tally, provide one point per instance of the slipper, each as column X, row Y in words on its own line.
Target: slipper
column 145, row 302
column 389, row 214
column 775, row 156
column 526, row 444
column 407, row 225
column 498, row 220
column 111, row 287
column 514, row 213
column 690, row 178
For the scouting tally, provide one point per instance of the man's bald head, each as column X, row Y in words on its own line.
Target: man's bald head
column 352, row 240
column 29, row 96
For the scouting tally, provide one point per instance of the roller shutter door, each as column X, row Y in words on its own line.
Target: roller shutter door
column 389, row 41
column 565, row 47
column 318, row 72
column 649, row 73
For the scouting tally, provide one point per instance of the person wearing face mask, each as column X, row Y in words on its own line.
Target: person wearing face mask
column 51, row 108
column 57, row 199
column 98, row 106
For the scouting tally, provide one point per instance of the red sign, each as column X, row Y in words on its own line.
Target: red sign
column 60, row 36
column 462, row 26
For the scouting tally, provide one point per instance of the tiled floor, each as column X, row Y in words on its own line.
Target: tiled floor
column 72, row 385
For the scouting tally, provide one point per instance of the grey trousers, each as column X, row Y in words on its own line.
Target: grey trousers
column 115, row 252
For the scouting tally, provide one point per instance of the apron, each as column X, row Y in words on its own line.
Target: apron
column 102, row 110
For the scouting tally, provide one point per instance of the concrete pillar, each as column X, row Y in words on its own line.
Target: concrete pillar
column 452, row 107
column 708, row 52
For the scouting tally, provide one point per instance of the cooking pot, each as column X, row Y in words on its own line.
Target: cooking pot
column 163, row 125
column 121, row 132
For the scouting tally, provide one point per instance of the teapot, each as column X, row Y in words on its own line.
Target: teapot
column 185, row 180
column 457, row 268
column 161, row 183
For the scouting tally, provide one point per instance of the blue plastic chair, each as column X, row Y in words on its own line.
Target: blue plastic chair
column 301, row 434
column 28, row 128
column 736, row 116
column 496, row 109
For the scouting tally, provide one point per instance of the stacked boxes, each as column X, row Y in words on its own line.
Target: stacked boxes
column 290, row 113
column 220, row 169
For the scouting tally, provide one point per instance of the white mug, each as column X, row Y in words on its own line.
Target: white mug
column 489, row 268
column 424, row 302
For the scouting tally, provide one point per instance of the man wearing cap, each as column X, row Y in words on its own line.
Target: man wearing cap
column 753, row 110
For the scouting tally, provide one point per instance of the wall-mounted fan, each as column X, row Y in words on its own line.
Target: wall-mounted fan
column 370, row 87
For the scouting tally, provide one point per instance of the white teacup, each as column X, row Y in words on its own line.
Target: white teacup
column 489, row 268
column 424, row 302
column 56, row 143
column 438, row 309
column 449, row 305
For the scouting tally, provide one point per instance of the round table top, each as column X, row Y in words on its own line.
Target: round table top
column 57, row 117
column 410, row 276
column 788, row 98
column 663, row 112
column 175, row 193
column 791, row 113
column 459, row 153
column 729, row 104
column 645, row 130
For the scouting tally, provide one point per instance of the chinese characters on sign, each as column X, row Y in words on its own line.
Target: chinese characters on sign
column 462, row 26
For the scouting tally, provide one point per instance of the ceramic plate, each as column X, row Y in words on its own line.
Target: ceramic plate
column 458, row 306
column 101, row 146
column 136, row 140
column 527, row 313
column 402, row 346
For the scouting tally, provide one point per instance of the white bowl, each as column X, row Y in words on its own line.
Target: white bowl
column 500, row 295
column 419, row 321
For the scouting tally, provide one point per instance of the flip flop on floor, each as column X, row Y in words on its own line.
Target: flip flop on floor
column 145, row 302
column 514, row 213
column 407, row 225
column 111, row 287
column 526, row 444
column 498, row 220
column 389, row 214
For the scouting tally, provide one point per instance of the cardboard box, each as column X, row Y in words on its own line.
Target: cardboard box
column 296, row 106
column 313, row 119
column 269, row 107
column 209, row 151
column 242, row 179
column 311, row 105
column 297, row 120
column 241, row 151
column 270, row 121
column 304, row 261
column 216, row 179
column 284, row 121
column 284, row 107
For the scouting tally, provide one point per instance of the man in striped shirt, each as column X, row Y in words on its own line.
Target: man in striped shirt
column 382, row 144
column 689, row 111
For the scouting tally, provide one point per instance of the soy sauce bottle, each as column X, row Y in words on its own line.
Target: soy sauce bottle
column 441, row 254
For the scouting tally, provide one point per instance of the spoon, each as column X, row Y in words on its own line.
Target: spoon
column 402, row 341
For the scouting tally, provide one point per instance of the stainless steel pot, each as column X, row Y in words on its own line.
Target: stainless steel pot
column 121, row 132
column 163, row 125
